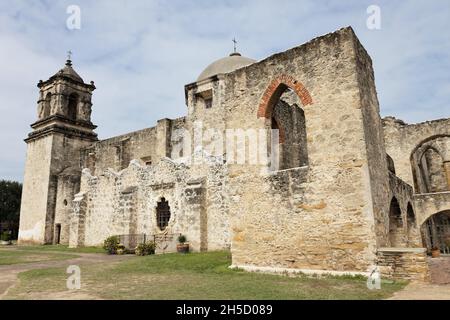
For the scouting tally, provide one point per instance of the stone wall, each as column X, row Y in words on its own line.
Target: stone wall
column 430, row 204
column 122, row 203
column 35, row 192
column 409, row 232
column 320, row 216
column 147, row 146
column 403, row 139
column 51, row 173
column 409, row 263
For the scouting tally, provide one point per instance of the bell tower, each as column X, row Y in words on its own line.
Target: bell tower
column 52, row 169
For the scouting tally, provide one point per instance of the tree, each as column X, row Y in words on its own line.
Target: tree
column 10, row 196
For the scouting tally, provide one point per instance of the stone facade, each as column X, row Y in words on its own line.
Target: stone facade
column 285, row 161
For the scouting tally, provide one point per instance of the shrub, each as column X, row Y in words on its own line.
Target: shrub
column 111, row 244
column 182, row 239
column 5, row 236
column 144, row 249
column 120, row 249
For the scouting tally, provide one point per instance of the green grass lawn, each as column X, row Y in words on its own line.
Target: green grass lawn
column 10, row 256
column 62, row 248
column 191, row 276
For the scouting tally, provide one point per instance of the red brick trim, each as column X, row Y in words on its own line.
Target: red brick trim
column 276, row 89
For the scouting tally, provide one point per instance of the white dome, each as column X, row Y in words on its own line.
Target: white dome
column 225, row 65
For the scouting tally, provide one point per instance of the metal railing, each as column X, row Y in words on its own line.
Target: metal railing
column 162, row 241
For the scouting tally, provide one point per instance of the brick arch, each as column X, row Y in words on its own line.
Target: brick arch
column 276, row 89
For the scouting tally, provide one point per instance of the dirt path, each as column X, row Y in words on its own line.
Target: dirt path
column 416, row 291
column 438, row 289
column 9, row 273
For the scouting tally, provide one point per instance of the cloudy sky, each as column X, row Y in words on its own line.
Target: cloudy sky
column 141, row 53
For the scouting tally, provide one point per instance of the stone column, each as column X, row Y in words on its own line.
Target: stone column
column 163, row 134
column 447, row 172
column 77, row 219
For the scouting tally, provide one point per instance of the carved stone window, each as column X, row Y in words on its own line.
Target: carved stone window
column 163, row 214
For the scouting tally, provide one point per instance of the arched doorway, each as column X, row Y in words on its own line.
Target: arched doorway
column 436, row 232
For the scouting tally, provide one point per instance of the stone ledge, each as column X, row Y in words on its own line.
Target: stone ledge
column 406, row 250
column 281, row 270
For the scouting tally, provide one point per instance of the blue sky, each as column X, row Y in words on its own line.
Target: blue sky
column 141, row 53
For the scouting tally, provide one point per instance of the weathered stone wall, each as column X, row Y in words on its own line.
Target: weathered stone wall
column 51, row 174
column 408, row 234
column 403, row 139
column 68, row 186
column 33, row 211
column 147, row 145
column 374, row 141
column 121, row 203
column 430, row 204
column 324, row 217
column 410, row 264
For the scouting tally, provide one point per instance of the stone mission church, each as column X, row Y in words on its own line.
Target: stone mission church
column 351, row 191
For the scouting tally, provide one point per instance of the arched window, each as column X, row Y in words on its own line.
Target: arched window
column 72, row 106
column 162, row 214
column 288, row 118
column 428, row 167
column 432, row 169
column 47, row 105
column 395, row 224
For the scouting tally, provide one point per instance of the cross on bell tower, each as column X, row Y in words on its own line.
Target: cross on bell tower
column 235, row 43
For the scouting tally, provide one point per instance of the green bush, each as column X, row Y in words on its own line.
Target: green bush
column 5, row 236
column 182, row 239
column 111, row 244
column 144, row 249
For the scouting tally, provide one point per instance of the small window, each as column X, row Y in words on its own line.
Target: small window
column 147, row 160
column 72, row 107
column 163, row 214
column 65, row 202
column 208, row 103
